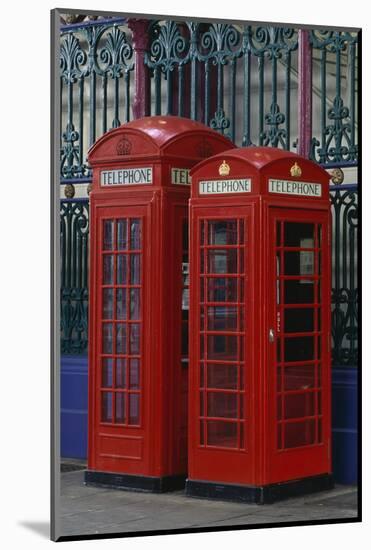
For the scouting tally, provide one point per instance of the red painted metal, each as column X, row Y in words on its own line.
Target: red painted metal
column 142, row 95
column 259, row 410
column 304, row 93
column 137, row 370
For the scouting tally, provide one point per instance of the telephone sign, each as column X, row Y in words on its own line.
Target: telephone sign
column 129, row 176
column 295, row 188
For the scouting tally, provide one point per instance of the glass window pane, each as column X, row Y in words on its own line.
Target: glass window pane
column 299, row 349
column 202, row 404
column 135, row 303
column 222, row 434
column 122, row 270
column 299, row 378
column 202, row 261
column 134, row 339
column 185, row 236
column 241, row 267
column 299, row 292
column 108, row 234
column 222, row 347
column 134, row 374
column 299, row 320
column 319, row 236
column 202, row 232
column 121, row 372
column 299, row 405
column 222, row 318
column 222, row 404
column 319, row 402
column 223, row 232
column 202, row 376
column 122, row 238
column 278, row 234
column 222, row 261
column 279, row 436
column 242, row 289
column 120, row 338
column 135, row 234
column 134, row 269
column 134, row 408
column 295, row 233
column 108, row 303
column 222, row 376
column 242, row 232
column 120, row 416
column 299, row 263
column 222, row 289
column 202, row 428
column 184, row 335
column 107, row 333
column 108, row 269
column 121, row 303
column 107, row 371
column 297, row 434
column 320, row 440
column 106, row 406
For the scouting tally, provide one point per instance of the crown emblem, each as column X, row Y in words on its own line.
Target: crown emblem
column 224, row 169
column 124, row 147
column 295, row 170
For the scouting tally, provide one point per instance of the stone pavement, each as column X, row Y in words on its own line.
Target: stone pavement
column 90, row 510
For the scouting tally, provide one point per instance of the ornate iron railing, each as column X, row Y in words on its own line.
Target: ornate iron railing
column 335, row 96
column 245, row 82
column 95, row 68
column 219, row 63
column 344, row 202
column 74, row 237
column 241, row 80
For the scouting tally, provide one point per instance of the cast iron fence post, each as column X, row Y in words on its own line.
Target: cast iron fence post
column 140, row 41
column 304, row 93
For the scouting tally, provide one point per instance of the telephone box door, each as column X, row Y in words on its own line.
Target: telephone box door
column 119, row 395
column 298, row 344
column 221, row 408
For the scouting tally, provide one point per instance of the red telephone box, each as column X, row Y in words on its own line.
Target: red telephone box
column 259, row 394
column 138, row 309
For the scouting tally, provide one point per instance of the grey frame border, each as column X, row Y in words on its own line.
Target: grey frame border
column 55, row 278
column 55, row 527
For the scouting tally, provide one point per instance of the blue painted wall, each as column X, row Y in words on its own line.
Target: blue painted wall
column 74, row 406
column 344, row 424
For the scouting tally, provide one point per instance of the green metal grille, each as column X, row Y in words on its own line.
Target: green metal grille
column 241, row 80
column 74, row 235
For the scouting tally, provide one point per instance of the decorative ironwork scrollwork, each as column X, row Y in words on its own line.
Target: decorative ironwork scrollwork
column 74, row 233
column 338, row 132
column 168, row 49
column 91, row 55
column 344, row 287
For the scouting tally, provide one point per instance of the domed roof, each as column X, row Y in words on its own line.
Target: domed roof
column 258, row 156
column 159, row 136
column 163, row 128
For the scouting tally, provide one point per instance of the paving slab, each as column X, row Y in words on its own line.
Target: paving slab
column 86, row 510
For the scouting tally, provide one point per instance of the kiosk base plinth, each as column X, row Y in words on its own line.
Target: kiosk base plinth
column 259, row 495
column 134, row 483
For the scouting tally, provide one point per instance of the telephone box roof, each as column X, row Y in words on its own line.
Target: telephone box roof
column 157, row 134
column 259, row 157
column 164, row 128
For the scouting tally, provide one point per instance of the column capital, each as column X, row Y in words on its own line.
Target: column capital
column 139, row 29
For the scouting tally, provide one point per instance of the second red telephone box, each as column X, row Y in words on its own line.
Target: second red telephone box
column 138, row 305
column 259, row 394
